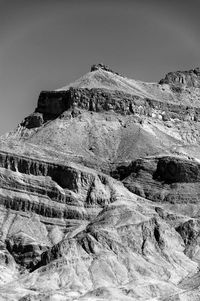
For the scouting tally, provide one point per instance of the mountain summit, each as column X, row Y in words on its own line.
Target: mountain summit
column 99, row 192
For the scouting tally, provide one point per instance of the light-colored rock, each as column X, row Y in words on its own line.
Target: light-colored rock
column 70, row 231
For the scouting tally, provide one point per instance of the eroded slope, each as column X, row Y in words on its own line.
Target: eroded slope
column 70, row 231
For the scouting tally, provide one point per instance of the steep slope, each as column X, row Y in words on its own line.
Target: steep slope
column 99, row 192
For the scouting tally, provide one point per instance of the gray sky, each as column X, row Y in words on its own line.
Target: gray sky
column 45, row 44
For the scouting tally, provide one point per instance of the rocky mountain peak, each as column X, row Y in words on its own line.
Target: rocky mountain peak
column 189, row 78
column 101, row 66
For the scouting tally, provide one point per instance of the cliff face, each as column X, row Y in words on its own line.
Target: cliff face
column 52, row 104
column 189, row 78
column 99, row 192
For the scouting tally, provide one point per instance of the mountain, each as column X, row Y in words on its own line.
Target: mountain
column 100, row 190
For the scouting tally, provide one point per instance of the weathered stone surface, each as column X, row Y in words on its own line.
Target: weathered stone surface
column 172, row 170
column 69, row 230
column 35, row 120
column 103, row 67
column 165, row 179
column 180, row 79
column 54, row 103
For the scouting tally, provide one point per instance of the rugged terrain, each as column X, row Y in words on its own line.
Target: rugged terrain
column 100, row 192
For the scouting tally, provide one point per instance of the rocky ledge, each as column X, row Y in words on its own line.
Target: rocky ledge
column 190, row 79
column 52, row 104
column 101, row 66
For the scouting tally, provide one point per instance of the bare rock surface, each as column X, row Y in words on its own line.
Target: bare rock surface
column 100, row 190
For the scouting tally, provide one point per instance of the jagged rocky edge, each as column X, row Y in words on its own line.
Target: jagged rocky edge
column 70, row 180
column 185, row 229
column 52, row 104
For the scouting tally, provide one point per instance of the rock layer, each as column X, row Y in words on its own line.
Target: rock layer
column 54, row 103
column 69, row 230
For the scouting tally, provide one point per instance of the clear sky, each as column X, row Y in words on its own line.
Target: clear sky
column 45, row 44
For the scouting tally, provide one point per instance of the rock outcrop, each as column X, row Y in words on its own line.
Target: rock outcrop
column 35, row 120
column 181, row 79
column 96, row 67
column 100, row 190
column 164, row 179
column 52, row 104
